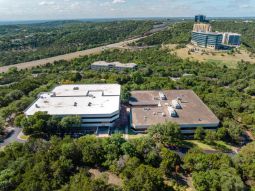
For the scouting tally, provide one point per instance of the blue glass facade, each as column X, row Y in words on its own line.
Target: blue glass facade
column 200, row 19
column 207, row 40
column 234, row 40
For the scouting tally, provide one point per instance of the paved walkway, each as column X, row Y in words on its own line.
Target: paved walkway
column 13, row 137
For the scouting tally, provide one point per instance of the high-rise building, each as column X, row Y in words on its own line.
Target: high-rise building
column 202, row 27
column 203, row 36
column 201, row 19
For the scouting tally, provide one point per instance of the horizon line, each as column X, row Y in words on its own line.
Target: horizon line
column 107, row 18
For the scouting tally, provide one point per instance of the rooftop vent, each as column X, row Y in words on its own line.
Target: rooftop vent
column 75, row 104
column 89, row 104
column 53, row 94
column 172, row 112
column 76, row 88
column 176, row 104
column 162, row 96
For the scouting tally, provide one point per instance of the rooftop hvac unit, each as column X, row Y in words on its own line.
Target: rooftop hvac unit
column 75, row 104
column 172, row 112
column 176, row 104
column 76, row 88
column 53, row 94
column 162, row 96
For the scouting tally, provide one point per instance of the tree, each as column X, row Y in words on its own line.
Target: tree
column 2, row 123
column 18, row 119
column 112, row 148
column 125, row 94
column 145, row 178
column 221, row 133
column 92, row 150
column 36, row 125
column 195, row 160
column 170, row 161
column 199, row 133
column 226, row 179
column 210, row 136
column 69, row 122
column 246, row 163
column 147, row 150
column 167, row 134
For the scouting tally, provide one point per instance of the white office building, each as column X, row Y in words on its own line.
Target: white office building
column 102, row 65
column 98, row 105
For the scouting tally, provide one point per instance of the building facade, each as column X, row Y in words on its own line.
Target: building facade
column 200, row 19
column 203, row 36
column 98, row 105
column 202, row 27
column 102, row 65
column 210, row 40
column 231, row 39
column 183, row 107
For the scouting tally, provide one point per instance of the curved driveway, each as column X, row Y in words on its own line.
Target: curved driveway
column 13, row 137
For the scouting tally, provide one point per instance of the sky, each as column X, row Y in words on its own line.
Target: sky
column 76, row 9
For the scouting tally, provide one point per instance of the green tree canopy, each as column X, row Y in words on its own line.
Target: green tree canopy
column 167, row 134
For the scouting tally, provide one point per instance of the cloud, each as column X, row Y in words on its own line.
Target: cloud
column 73, row 9
column 118, row 1
column 47, row 3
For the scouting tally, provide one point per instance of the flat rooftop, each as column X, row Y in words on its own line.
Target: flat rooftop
column 97, row 99
column 148, row 109
column 116, row 64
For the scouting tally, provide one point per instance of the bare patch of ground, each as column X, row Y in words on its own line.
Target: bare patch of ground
column 112, row 178
column 219, row 57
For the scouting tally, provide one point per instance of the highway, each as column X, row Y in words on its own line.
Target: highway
column 69, row 56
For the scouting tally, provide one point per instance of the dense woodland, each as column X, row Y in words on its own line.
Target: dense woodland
column 21, row 43
column 148, row 163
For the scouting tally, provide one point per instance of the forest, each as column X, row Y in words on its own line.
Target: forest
column 52, row 162
column 140, row 164
column 229, row 92
column 22, row 43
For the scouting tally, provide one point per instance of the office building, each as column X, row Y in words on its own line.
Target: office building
column 212, row 40
column 200, row 19
column 102, row 65
column 231, row 39
column 202, row 36
column 183, row 107
column 202, row 27
column 98, row 105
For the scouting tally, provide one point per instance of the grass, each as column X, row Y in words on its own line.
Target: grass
column 136, row 136
column 24, row 137
column 220, row 58
column 229, row 64
column 201, row 145
column 223, row 146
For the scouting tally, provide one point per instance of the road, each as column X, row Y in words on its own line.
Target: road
column 13, row 137
column 70, row 56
